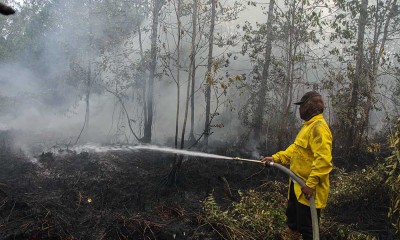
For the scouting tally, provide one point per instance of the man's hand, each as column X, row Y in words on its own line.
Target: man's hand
column 267, row 161
column 308, row 192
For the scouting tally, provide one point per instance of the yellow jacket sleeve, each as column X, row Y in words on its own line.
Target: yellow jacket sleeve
column 321, row 146
column 284, row 156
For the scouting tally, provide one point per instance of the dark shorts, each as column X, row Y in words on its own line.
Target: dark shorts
column 299, row 216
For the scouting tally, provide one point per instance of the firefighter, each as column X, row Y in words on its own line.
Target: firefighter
column 310, row 158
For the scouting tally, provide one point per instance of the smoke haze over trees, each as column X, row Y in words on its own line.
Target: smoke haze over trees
column 198, row 71
column 217, row 76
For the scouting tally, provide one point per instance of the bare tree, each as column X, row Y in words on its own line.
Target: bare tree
column 193, row 68
column 354, row 129
column 152, row 71
column 178, row 69
column 209, row 74
column 261, row 95
column 383, row 18
column 86, row 122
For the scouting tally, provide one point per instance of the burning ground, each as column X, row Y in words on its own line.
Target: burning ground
column 109, row 195
column 124, row 195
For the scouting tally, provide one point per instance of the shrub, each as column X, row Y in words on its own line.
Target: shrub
column 355, row 201
column 393, row 180
column 258, row 215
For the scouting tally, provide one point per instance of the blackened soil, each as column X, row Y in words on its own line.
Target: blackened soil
column 129, row 195
column 114, row 195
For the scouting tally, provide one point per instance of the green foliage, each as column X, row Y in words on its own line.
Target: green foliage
column 347, row 189
column 346, row 231
column 393, row 180
column 257, row 215
column 351, row 195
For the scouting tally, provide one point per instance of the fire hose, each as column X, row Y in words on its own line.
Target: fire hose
column 313, row 209
column 314, row 216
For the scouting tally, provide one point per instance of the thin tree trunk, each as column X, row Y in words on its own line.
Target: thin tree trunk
column 286, row 93
column 173, row 175
column 152, row 70
column 187, row 99
column 354, row 128
column 144, row 88
column 261, row 95
column 209, row 76
column 193, row 68
column 125, row 111
column 85, row 127
column 89, row 73
column 186, row 115
column 178, row 59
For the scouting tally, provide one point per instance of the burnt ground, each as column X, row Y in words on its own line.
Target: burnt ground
column 124, row 195
column 113, row 195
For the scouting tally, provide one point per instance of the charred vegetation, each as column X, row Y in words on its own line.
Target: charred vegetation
column 121, row 195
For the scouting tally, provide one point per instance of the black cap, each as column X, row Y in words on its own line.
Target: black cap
column 307, row 96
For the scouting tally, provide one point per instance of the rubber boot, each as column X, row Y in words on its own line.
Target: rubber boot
column 289, row 234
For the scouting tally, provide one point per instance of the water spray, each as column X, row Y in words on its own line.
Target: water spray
column 294, row 177
column 313, row 209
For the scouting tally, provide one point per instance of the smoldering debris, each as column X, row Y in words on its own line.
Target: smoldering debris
column 108, row 194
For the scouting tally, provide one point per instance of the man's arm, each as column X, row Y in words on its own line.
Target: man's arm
column 280, row 157
column 321, row 146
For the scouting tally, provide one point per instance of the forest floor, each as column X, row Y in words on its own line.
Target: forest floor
column 124, row 195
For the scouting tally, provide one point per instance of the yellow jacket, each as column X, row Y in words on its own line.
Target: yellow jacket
column 310, row 158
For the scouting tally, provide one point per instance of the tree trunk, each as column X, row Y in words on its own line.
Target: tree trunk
column 173, row 175
column 152, row 69
column 144, row 85
column 376, row 56
column 178, row 69
column 209, row 75
column 288, row 81
column 355, row 128
column 261, row 95
column 85, row 128
column 193, row 68
column 179, row 162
